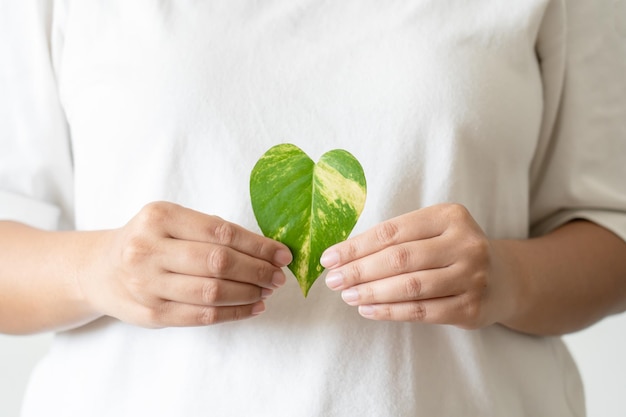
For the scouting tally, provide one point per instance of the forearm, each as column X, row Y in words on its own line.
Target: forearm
column 39, row 290
column 569, row 279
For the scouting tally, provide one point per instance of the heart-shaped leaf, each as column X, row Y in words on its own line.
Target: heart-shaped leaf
column 307, row 206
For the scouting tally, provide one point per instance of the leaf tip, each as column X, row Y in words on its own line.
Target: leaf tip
column 305, row 287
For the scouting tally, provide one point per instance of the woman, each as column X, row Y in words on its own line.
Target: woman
column 491, row 135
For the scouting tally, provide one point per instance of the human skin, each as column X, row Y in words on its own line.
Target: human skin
column 169, row 266
column 172, row 266
column 436, row 265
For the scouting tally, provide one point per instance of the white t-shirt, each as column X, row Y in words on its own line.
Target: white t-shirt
column 515, row 109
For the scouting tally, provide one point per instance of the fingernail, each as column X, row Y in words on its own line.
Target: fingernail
column 334, row 280
column 283, row 257
column 266, row 292
column 366, row 311
column 278, row 278
column 258, row 308
column 329, row 259
column 350, row 296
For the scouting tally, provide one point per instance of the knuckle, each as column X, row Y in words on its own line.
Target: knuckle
column 210, row 293
column 455, row 211
column 479, row 250
column 264, row 274
column 154, row 213
column 135, row 250
column 479, row 281
column 472, row 312
column 399, row 258
column 386, row 233
column 350, row 250
column 416, row 312
column 237, row 314
column 413, row 287
column 207, row 316
column 224, row 233
column 353, row 275
column 385, row 312
column 218, row 260
column 263, row 248
column 367, row 294
column 477, row 243
column 152, row 316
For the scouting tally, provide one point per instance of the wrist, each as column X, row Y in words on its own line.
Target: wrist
column 512, row 280
column 87, row 263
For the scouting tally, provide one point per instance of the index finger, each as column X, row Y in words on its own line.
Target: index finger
column 186, row 224
column 416, row 225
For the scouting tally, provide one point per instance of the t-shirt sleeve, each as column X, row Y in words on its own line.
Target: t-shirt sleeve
column 35, row 152
column 579, row 170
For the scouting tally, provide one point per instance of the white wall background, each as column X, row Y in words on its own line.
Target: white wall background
column 600, row 352
column 601, row 355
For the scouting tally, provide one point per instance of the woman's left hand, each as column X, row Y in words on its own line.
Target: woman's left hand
column 433, row 265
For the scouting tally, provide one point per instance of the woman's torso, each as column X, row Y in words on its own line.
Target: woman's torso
column 439, row 101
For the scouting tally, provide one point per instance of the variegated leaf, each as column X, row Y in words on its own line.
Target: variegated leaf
column 307, row 206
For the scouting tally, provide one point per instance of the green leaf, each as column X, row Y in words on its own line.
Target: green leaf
column 308, row 207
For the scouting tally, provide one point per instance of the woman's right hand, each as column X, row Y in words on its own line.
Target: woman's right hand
column 172, row 266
